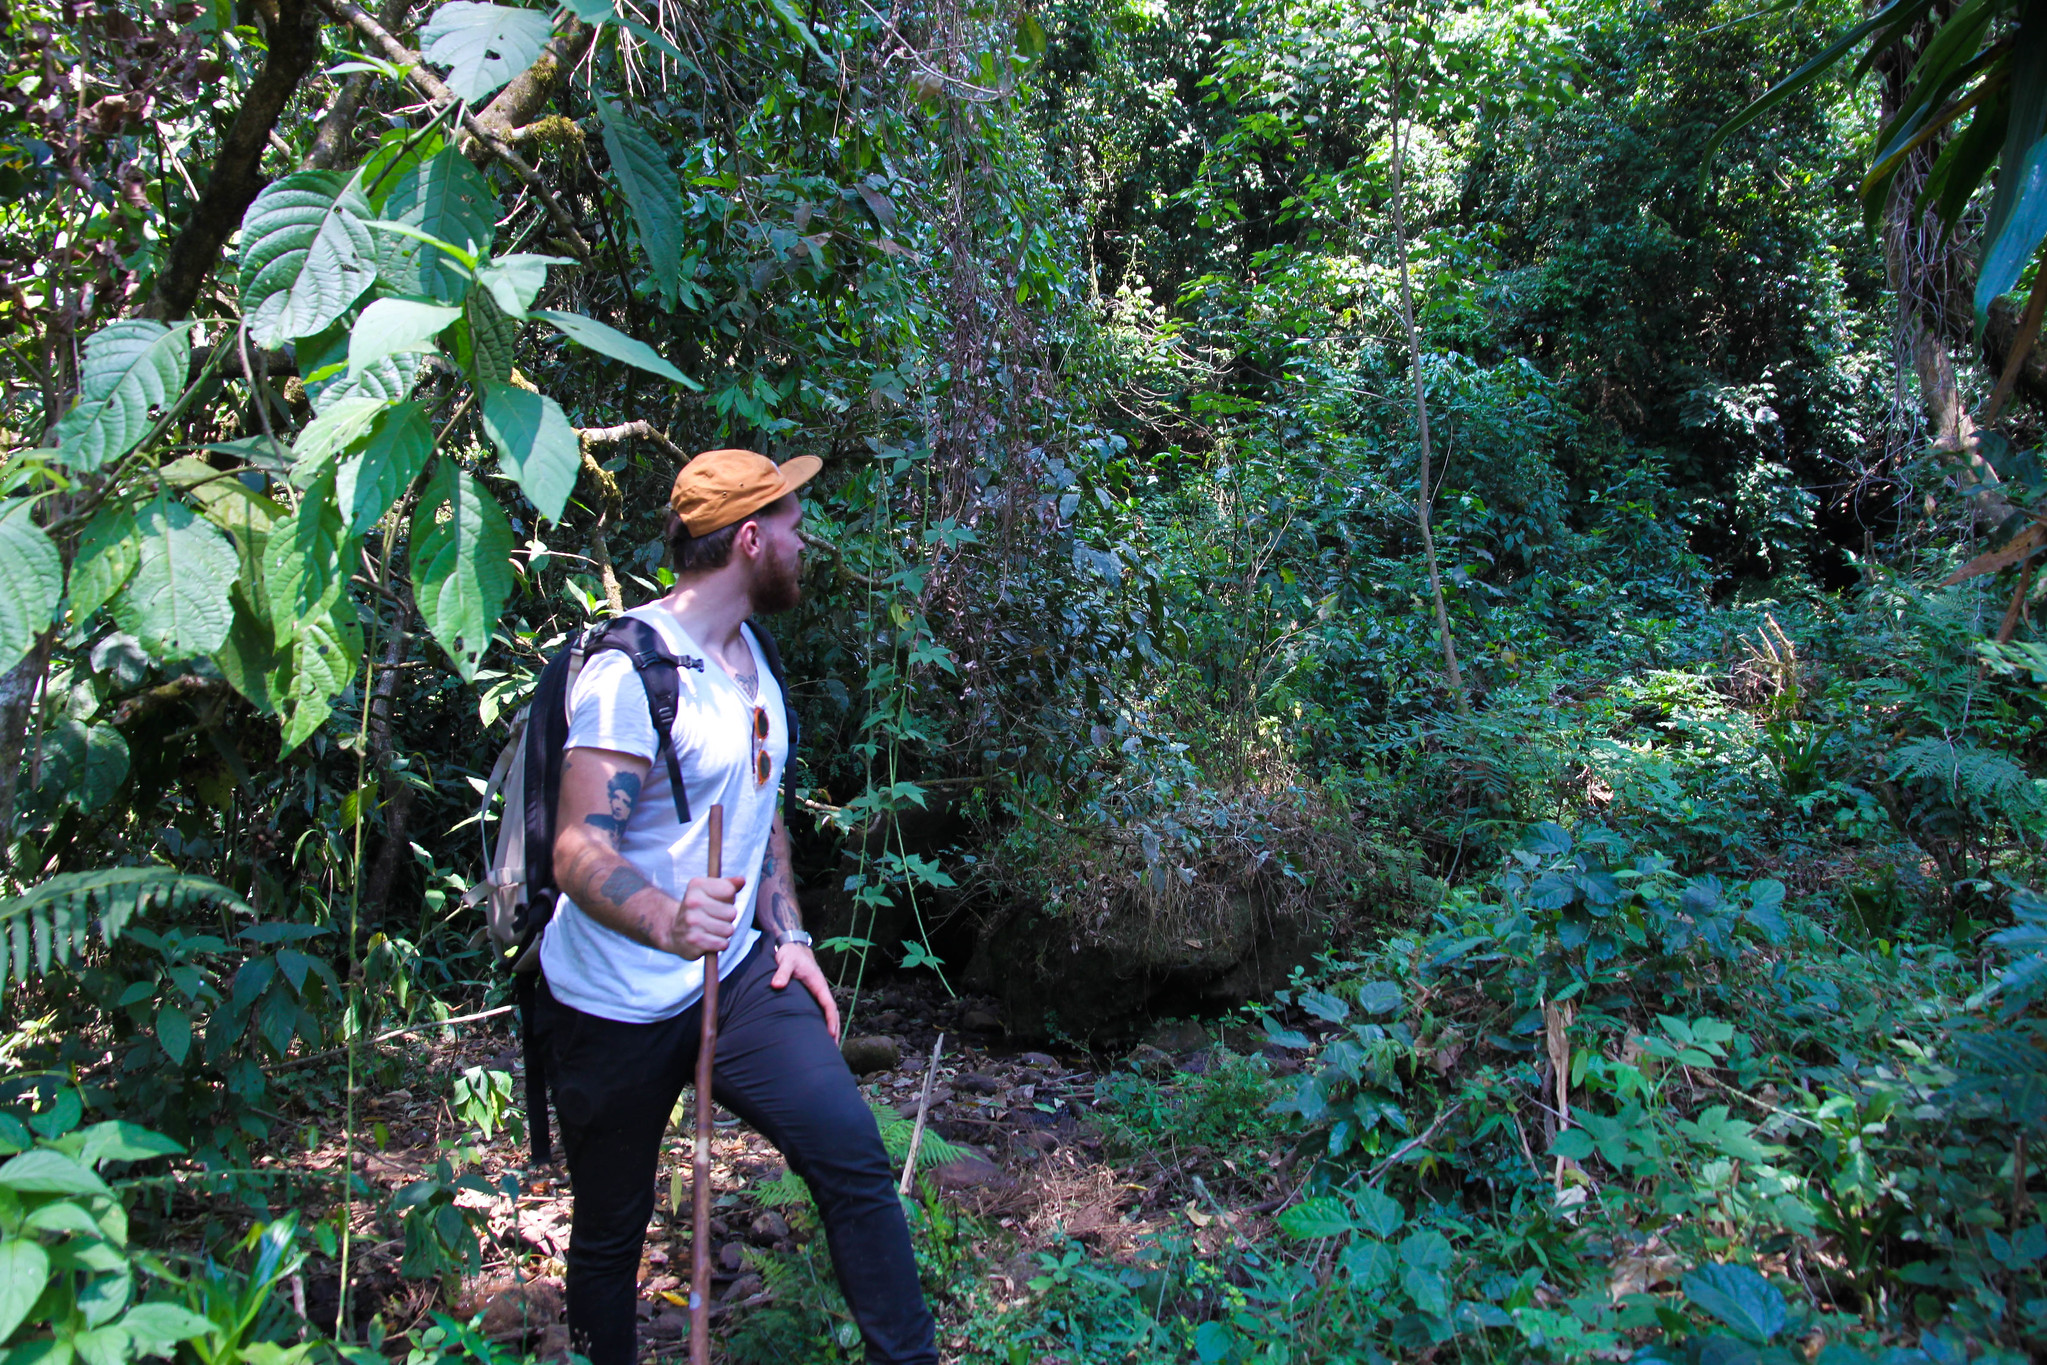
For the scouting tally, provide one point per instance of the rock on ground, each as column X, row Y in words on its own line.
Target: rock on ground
column 869, row 1054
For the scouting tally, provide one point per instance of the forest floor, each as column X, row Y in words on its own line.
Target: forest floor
column 1033, row 1168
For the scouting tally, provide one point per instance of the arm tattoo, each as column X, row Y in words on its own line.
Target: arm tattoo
column 620, row 794
column 783, row 916
column 622, row 885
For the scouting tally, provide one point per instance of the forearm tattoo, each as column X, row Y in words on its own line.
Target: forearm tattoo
column 623, row 883
column 782, row 915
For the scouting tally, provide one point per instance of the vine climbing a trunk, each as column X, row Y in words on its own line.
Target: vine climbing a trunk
column 1425, row 496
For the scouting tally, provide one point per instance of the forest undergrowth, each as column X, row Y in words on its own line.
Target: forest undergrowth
column 1420, row 689
column 1696, row 1054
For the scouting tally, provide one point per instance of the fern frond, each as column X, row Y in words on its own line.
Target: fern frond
column 1972, row 773
column 782, row 1276
column 895, row 1140
column 48, row 925
column 934, row 1150
column 781, row 1192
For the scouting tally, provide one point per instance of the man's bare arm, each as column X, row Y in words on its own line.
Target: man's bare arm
column 599, row 790
column 779, row 913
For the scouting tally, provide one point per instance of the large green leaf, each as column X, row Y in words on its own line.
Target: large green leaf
column 323, row 360
column 396, row 152
column 119, row 1140
column 234, row 507
column 484, row 340
column 1379, row 1214
column 368, row 483
column 43, row 1171
column 24, row 1270
column 106, row 556
column 1323, row 1216
column 652, row 191
column 324, row 657
column 516, row 280
column 2005, row 259
column 536, row 445
column 332, row 432
column 1960, row 169
column 484, row 46
column 2026, row 123
column 31, row 581
column 156, row 1328
column 461, row 564
column 130, row 367
column 306, row 256
column 595, row 336
column 85, row 764
column 1740, row 1297
column 176, row 602
column 391, row 327
column 443, row 196
column 249, row 658
column 306, row 561
column 226, row 500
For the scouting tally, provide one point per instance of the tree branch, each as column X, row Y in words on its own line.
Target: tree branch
column 330, row 140
column 641, row 430
column 2011, row 349
column 293, row 34
column 354, row 16
column 613, row 510
column 532, row 88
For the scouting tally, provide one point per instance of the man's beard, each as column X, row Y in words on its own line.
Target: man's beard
column 777, row 587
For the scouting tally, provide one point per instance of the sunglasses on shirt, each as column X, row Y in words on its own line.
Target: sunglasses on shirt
column 763, row 762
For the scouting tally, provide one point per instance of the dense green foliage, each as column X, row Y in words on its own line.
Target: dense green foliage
column 1668, row 982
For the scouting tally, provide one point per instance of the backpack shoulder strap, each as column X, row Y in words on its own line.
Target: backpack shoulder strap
column 660, row 674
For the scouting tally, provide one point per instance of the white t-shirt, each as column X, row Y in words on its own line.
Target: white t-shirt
column 599, row 970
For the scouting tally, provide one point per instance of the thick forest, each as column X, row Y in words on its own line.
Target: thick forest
column 1419, row 695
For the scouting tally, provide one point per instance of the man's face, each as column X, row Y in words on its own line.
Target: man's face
column 776, row 583
column 621, row 806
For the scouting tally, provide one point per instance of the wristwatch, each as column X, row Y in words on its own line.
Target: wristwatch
column 793, row 936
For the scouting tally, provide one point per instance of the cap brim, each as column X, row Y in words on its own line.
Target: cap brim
column 799, row 471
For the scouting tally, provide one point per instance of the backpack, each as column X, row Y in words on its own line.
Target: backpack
column 518, row 882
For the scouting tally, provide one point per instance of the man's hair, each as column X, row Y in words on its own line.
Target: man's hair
column 689, row 554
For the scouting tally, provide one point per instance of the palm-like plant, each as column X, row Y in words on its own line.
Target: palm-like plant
column 1986, row 63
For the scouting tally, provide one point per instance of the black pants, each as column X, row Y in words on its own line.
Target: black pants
column 614, row 1086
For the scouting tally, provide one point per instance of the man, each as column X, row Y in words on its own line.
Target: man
column 617, row 1011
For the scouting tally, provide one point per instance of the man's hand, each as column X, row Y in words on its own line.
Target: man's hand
column 795, row 962
column 705, row 918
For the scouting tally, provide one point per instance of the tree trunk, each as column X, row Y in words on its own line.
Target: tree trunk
column 292, row 31
column 391, row 852
column 17, row 697
column 1924, row 270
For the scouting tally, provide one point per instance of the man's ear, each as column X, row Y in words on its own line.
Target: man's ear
column 747, row 540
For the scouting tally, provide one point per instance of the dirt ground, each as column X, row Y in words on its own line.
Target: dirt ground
column 1032, row 1168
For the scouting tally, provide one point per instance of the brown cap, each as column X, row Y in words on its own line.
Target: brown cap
column 720, row 487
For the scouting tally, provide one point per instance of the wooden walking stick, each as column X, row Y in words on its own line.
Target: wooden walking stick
column 700, row 1237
